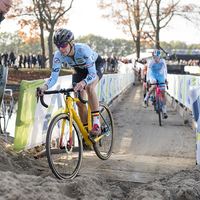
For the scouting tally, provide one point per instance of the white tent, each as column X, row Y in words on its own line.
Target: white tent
column 144, row 55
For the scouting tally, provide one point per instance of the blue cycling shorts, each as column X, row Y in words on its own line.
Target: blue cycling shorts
column 160, row 79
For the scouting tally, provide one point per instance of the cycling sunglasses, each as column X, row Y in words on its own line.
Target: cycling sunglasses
column 62, row 45
column 156, row 57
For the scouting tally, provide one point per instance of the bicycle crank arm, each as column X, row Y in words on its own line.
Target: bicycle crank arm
column 91, row 139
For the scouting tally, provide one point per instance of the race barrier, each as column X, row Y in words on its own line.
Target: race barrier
column 192, row 69
column 32, row 118
column 195, row 100
column 179, row 88
column 186, row 90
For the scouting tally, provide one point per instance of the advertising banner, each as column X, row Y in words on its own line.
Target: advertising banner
column 195, row 100
column 179, row 88
column 32, row 118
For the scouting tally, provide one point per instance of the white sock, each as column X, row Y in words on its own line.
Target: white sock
column 164, row 108
column 95, row 116
column 147, row 96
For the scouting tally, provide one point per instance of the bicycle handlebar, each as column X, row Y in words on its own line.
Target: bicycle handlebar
column 56, row 92
column 156, row 84
column 149, row 85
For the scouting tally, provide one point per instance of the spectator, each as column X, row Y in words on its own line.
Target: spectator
column 116, row 62
column 39, row 59
column 24, row 60
column 108, row 63
column 113, row 64
column 20, row 60
column 12, row 58
column 34, row 60
column 177, row 59
column 5, row 58
column 29, row 60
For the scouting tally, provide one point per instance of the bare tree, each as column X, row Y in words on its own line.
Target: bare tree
column 52, row 15
column 160, row 15
column 45, row 14
column 129, row 15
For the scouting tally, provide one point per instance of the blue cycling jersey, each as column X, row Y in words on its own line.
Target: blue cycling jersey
column 157, row 70
column 84, row 58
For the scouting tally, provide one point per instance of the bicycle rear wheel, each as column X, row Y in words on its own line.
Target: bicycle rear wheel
column 103, row 148
column 159, row 109
column 65, row 162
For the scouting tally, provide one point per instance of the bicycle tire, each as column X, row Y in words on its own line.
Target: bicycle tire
column 2, row 118
column 103, row 148
column 63, row 163
column 159, row 109
column 154, row 101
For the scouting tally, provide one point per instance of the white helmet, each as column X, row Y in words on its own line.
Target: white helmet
column 156, row 52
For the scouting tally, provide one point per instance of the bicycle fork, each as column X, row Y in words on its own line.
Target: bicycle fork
column 68, row 146
column 158, row 93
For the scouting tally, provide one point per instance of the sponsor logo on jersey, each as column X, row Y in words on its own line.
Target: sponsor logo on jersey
column 68, row 60
column 89, row 65
column 55, row 69
column 80, row 60
column 93, row 75
column 89, row 78
column 85, row 57
column 56, row 60
column 92, row 58
column 79, row 50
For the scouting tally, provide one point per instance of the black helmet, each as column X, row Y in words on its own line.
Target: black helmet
column 63, row 36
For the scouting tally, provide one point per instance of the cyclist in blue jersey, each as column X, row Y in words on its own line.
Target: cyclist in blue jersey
column 88, row 70
column 157, row 71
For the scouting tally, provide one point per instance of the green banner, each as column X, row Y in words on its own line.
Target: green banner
column 25, row 112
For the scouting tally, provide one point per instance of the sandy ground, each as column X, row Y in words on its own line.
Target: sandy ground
column 148, row 162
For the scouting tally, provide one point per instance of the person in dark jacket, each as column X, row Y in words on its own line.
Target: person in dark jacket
column 5, row 58
column 34, row 60
column 39, row 59
column 12, row 58
column 20, row 60
column 24, row 60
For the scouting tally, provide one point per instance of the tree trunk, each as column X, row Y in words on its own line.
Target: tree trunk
column 157, row 38
column 42, row 44
column 157, row 29
column 50, row 49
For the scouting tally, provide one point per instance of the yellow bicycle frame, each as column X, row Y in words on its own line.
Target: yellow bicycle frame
column 73, row 115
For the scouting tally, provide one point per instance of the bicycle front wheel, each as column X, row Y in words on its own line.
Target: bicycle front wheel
column 64, row 157
column 2, row 118
column 103, row 148
column 159, row 109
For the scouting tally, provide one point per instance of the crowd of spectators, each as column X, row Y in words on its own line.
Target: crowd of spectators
column 189, row 62
column 111, row 62
column 176, row 60
column 21, row 61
